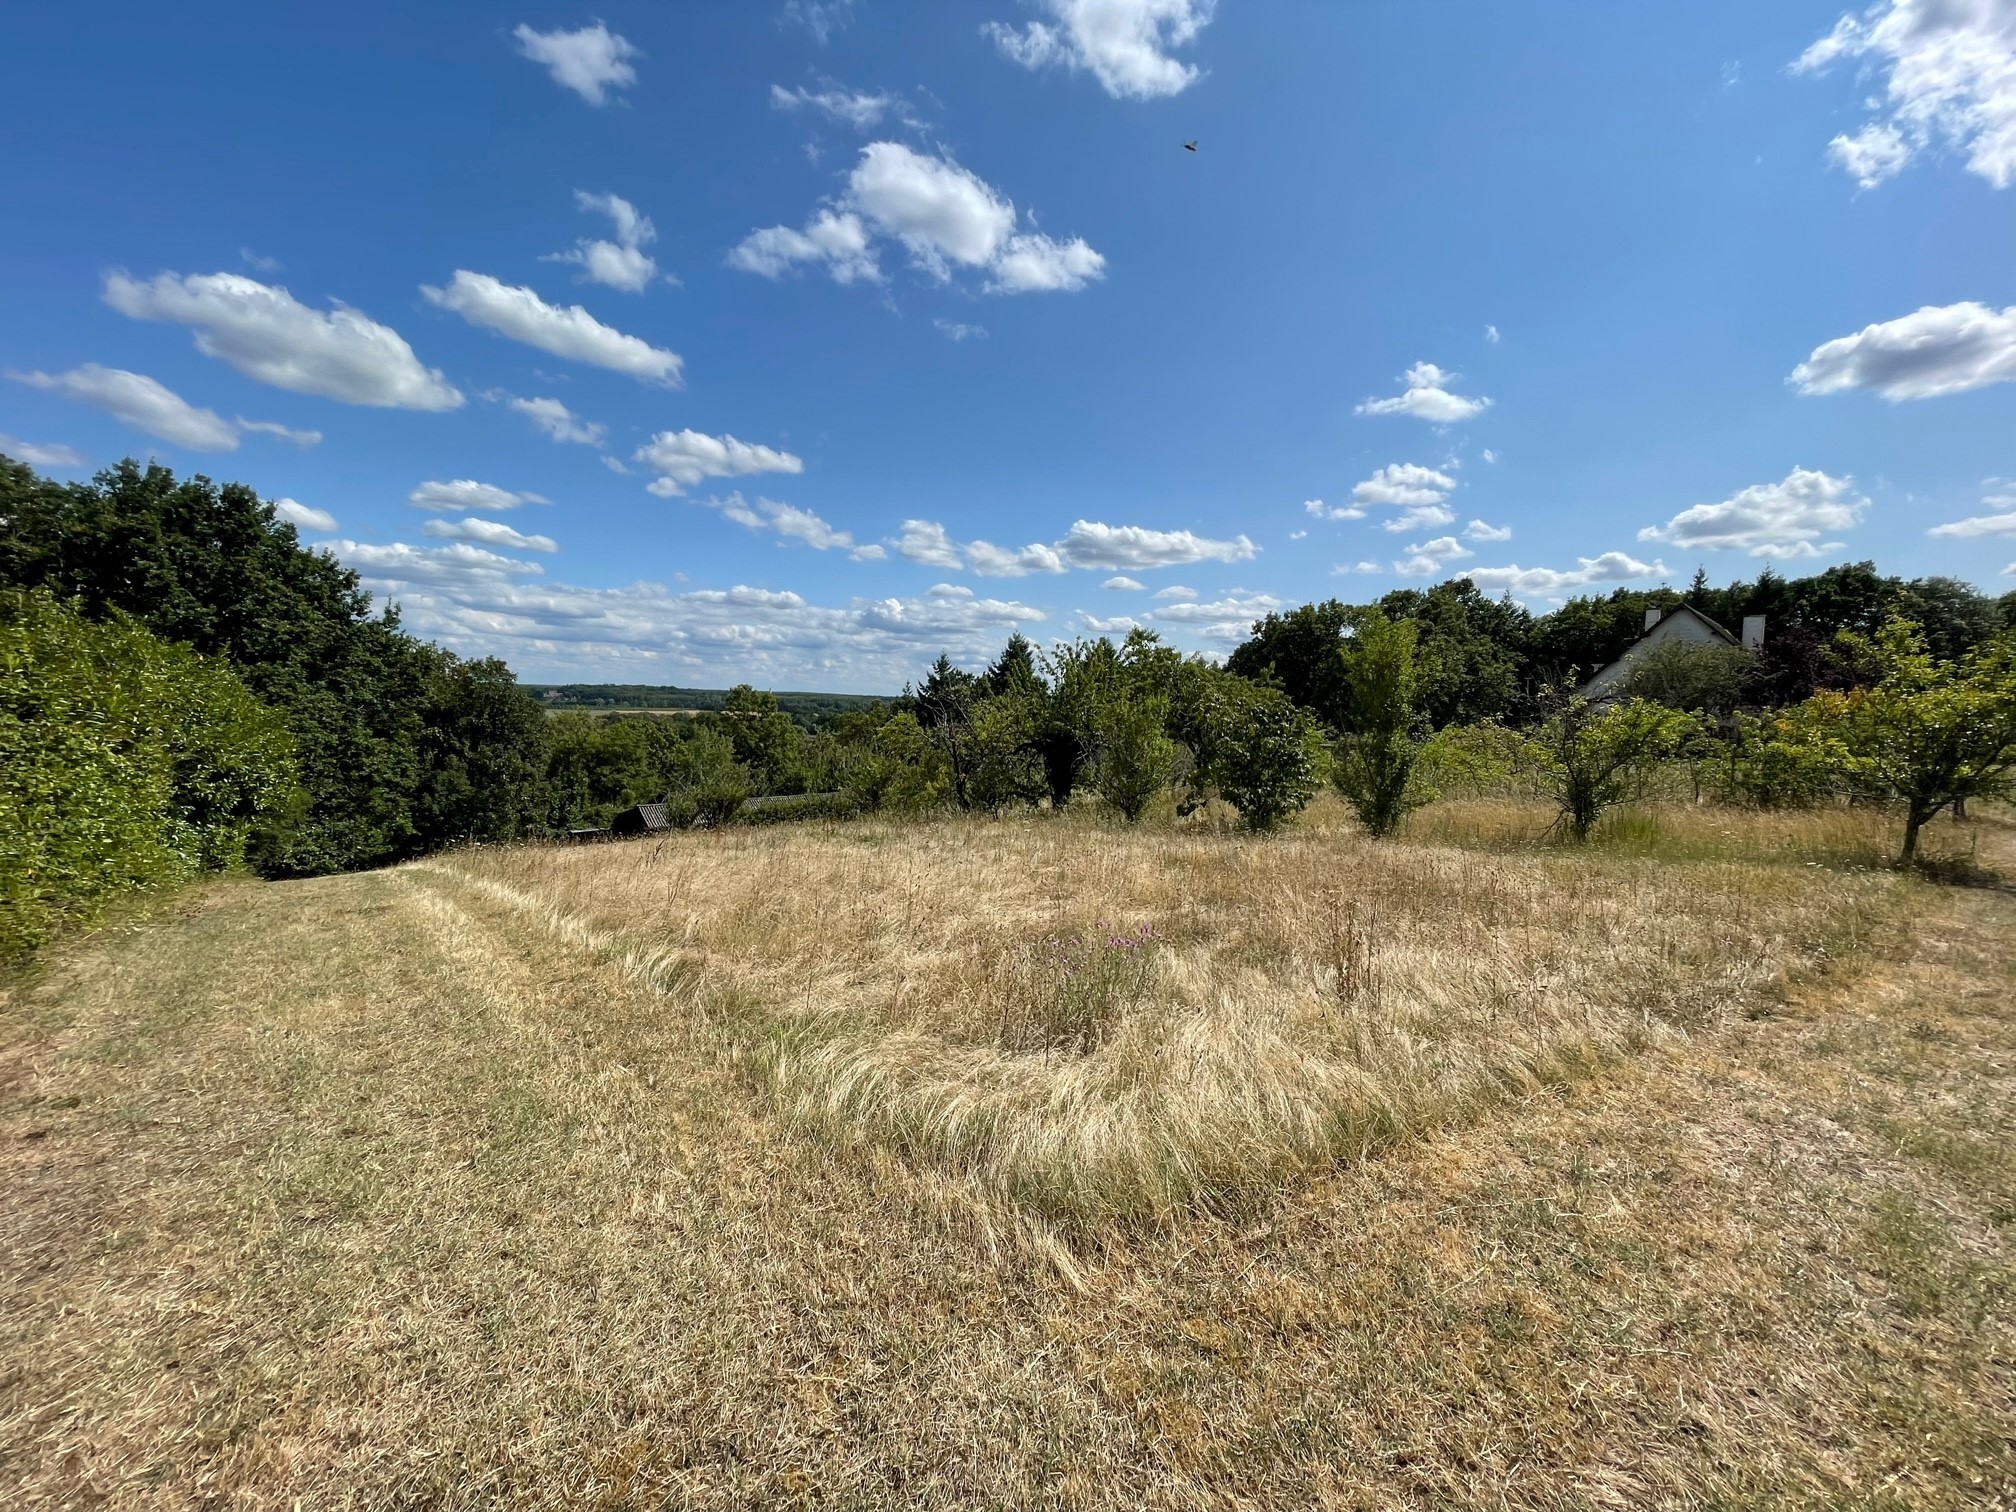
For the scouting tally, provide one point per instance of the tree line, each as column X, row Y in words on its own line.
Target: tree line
column 184, row 686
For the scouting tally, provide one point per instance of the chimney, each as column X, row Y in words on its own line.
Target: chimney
column 1652, row 617
column 1753, row 632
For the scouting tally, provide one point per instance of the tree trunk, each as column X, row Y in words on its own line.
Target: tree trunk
column 1959, row 810
column 1912, row 824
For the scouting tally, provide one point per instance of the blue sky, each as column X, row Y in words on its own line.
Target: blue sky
column 795, row 342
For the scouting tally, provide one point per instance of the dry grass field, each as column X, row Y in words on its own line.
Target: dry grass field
column 1033, row 1163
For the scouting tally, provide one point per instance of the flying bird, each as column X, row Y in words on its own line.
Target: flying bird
column 1189, row 146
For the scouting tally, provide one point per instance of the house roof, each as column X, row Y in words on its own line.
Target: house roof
column 1604, row 683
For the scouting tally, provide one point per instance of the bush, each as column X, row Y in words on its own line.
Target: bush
column 901, row 770
column 1136, row 759
column 1374, row 769
column 1592, row 757
column 796, row 808
column 131, row 764
column 1476, row 760
column 707, row 784
column 1004, row 765
column 1260, row 752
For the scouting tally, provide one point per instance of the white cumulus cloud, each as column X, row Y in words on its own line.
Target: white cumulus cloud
column 1784, row 519
column 1324, row 511
column 622, row 263
column 558, row 421
column 1123, row 585
column 926, row 541
column 1939, row 349
column 467, row 493
column 1421, row 517
column 1544, row 582
column 591, row 62
column 488, row 533
column 572, row 333
column 1407, row 484
column 684, row 457
column 40, row 455
column 1431, row 557
column 1477, row 530
column 836, row 240
column 302, row 517
column 1124, row 44
column 1426, row 396
column 142, row 403
column 944, row 215
column 265, row 333
column 787, row 520
column 1950, row 81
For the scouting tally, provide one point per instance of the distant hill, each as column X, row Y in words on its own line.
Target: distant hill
column 642, row 698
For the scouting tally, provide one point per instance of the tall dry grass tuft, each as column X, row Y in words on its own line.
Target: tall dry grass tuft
column 1124, row 1026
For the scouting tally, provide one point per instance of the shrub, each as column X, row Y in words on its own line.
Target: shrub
column 1593, row 757
column 1374, row 768
column 708, row 785
column 131, row 764
column 1926, row 733
column 1259, row 751
column 1476, row 760
column 1004, row 767
column 901, row 769
column 1136, row 758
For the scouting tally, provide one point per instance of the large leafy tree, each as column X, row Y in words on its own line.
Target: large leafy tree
column 390, row 734
column 1927, row 733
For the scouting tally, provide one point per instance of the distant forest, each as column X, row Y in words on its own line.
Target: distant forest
column 806, row 709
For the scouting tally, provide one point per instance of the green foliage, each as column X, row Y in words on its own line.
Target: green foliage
column 1792, row 759
column 130, row 764
column 1592, row 757
column 1135, row 759
column 1925, row 732
column 1004, row 765
column 900, row 769
column 1477, row 760
column 1264, row 755
column 211, row 567
column 766, row 742
column 793, row 808
column 1374, row 767
column 483, row 756
column 705, row 781
column 1693, row 676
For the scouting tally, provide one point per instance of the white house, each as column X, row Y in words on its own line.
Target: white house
column 1683, row 626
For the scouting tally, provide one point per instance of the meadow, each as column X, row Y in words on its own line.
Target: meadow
column 1040, row 1161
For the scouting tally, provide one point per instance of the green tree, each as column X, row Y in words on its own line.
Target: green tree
column 483, row 755
column 1927, row 733
column 1004, row 766
column 1695, row 677
column 1136, row 758
column 767, row 743
column 1374, row 768
column 707, row 782
column 943, row 707
column 900, row 769
column 1252, row 744
column 212, row 568
column 129, row 764
column 1593, row 757
column 1296, row 651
